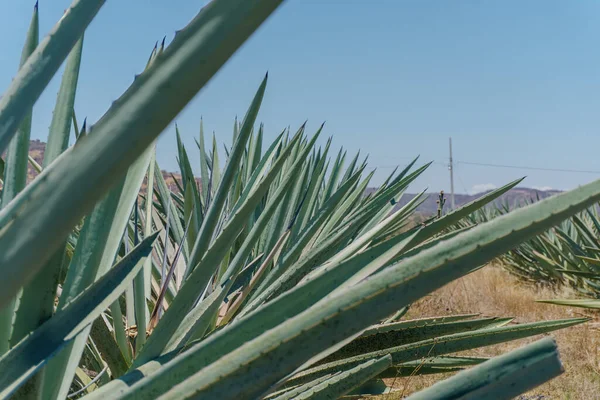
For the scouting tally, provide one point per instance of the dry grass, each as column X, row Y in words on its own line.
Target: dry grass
column 493, row 292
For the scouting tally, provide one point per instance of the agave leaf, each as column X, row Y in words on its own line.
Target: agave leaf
column 107, row 347
column 259, row 172
column 41, row 66
column 340, row 384
column 15, row 172
column 215, row 176
column 117, row 140
column 143, row 281
column 415, row 323
column 286, row 214
column 292, row 392
column 390, row 336
column 435, row 365
column 593, row 261
column 203, row 166
column 32, row 352
column 397, row 315
column 312, row 192
column 583, row 274
column 502, row 377
column 350, row 169
column 261, row 270
column 335, row 171
column 118, row 327
column 166, row 279
column 213, row 213
column 170, row 210
column 183, row 160
column 95, row 253
column 190, row 212
column 583, row 303
column 445, row 345
column 38, row 168
column 37, row 300
column 60, row 127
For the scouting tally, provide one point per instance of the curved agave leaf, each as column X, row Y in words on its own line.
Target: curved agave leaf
column 391, row 336
column 292, row 392
column 95, row 252
column 36, row 303
column 344, row 382
column 435, row 365
column 411, row 323
column 15, row 172
column 583, row 303
column 442, row 345
column 502, row 377
column 213, row 213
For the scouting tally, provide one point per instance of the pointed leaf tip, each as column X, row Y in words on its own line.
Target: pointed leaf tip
column 35, row 7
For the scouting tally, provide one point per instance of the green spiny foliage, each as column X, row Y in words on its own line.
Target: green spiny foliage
column 274, row 277
column 568, row 254
column 501, row 378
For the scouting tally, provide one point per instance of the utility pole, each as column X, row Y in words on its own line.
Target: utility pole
column 451, row 168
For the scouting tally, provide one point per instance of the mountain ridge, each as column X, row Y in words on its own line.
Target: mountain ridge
column 515, row 196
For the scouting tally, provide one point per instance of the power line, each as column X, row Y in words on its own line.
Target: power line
column 461, row 181
column 390, row 166
column 523, row 167
column 529, row 168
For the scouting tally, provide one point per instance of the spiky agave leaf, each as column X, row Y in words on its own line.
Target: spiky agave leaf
column 502, row 377
column 15, row 173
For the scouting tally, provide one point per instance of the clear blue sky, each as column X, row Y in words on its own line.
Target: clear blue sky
column 513, row 82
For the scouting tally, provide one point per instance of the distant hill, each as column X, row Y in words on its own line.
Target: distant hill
column 515, row 196
column 37, row 148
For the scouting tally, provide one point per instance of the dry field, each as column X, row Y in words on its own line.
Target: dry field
column 493, row 292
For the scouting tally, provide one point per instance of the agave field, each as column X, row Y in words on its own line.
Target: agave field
column 567, row 255
column 272, row 276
